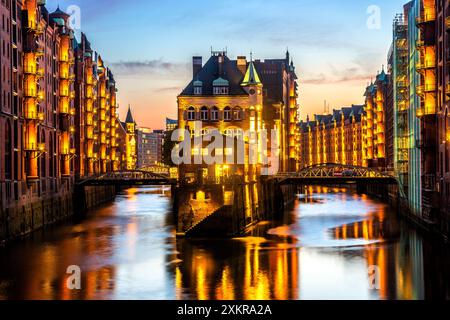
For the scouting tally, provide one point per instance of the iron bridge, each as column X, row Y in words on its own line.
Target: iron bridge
column 337, row 174
column 129, row 178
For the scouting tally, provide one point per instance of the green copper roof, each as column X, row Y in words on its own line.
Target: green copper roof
column 221, row 82
column 59, row 21
column 198, row 83
column 251, row 77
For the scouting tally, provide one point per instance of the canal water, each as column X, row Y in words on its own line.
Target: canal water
column 332, row 244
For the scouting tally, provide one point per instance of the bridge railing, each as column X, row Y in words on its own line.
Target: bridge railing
column 338, row 171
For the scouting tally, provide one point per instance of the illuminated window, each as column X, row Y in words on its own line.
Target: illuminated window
column 191, row 114
column 234, row 133
column 227, row 114
column 237, row 114
column 204, row 114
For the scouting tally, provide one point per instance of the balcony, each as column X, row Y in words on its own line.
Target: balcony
column 29, row 69
column 40, row 73
column 34, row 115
column 426, row 18
column 34, row 147
column 67, row 111
column 68, row 151
column 427, row 88
column 426, row 64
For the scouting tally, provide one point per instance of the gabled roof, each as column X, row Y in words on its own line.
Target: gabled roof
column 382, row 77
column 211, row 72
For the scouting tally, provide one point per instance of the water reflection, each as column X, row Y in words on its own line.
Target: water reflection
column 323, row 249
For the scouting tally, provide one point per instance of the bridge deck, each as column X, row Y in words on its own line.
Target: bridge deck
column 337, row 180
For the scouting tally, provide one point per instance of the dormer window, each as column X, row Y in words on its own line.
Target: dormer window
column 221, row 86
column 198, row 88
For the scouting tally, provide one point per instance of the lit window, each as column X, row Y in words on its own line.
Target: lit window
column 237, row 114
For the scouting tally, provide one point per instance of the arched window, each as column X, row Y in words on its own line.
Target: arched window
column 215, row 114
column 204, row 114
column 227, row 114
column 8, row 148
column 191, row 114
column 237, row 116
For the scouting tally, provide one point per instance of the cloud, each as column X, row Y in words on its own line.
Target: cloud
column 147, row 66
column 360, row 70
column 169, row 89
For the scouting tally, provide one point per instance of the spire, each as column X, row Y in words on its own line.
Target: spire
column 129, row 116
column 58, row 12
column 251, row 76
column 287, row 54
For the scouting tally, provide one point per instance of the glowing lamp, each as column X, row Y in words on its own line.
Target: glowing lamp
column 41, row 147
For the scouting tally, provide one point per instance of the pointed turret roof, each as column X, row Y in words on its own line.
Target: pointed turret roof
column 251, row 76
column 60, row 13
column 129, row 116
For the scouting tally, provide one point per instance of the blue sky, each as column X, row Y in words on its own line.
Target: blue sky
column 149, row 44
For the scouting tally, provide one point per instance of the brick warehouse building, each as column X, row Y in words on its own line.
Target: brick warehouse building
column 332, row 138
column 58, row 116
column 233, row 96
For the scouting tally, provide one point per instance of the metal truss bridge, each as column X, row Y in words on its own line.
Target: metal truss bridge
column 129, row 178
column 337, row 174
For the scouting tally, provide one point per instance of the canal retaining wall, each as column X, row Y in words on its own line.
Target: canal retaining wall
column 428, row 220
column 229, row 210
column 36, row 209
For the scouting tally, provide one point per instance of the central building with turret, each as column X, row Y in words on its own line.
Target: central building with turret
column 235, row 97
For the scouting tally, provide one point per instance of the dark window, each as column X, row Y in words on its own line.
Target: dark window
column 8, row 148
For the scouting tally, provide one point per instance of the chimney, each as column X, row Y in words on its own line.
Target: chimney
column 221, row 60
column 196, row 65
column 242, row 64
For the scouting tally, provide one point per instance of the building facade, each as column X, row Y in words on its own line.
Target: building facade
column 58, row 116
column 149, row 146
column 335, row 138
column 233, row 97
column 171, row 125
column 377, row 106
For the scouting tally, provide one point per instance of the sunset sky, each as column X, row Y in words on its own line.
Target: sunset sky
column 149, row 45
